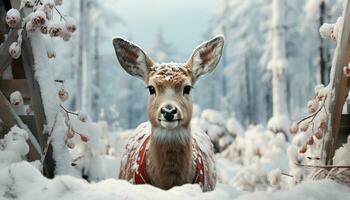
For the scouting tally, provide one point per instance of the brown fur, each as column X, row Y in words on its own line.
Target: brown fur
column 179, row 76
column 170, row 165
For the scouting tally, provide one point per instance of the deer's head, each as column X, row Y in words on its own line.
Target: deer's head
column 169, row 84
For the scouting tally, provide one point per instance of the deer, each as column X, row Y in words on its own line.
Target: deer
column 167, row 151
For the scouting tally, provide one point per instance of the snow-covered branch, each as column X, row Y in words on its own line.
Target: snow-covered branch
column 37, row 15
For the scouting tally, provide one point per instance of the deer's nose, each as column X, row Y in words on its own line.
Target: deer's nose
column 168, row 112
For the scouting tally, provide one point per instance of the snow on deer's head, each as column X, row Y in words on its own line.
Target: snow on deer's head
column 169, row 84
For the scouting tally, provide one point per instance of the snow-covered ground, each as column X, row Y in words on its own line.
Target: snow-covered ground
column 23, row 180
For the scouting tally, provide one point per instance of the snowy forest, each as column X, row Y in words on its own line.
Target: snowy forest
column 240, row 87
column 224, row 99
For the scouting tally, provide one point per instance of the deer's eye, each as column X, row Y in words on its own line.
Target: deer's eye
column 187, row 89
column 151, row 90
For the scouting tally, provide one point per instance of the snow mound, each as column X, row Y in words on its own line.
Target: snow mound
column 13, row 147
column 326, row 30
column 221, row 131
column 320, row 190
column 234, row 127
column 213, row 116
column 254, row 160
column 23, row 181
column 279, row 124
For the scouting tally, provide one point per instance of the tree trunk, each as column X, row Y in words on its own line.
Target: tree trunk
column 278, row 61
column 95, row 107
column 322, row 68
column 79, row 73
column 248, row 96
column 224, row 63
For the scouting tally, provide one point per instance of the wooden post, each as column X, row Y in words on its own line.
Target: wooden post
column 339, row 88
column 5, row 58
column 10, row 118
column 24, row 70
column 3, row 26
column 36, row 101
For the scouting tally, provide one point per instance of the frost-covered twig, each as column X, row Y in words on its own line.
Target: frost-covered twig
column 83, row 137
column 37, row 15
column 321, row 121
column 324, row 166
column 68, row 111
column 285, row 174
column 62, row 17
column 313, row 115
column 317, row 173
column 63, row 95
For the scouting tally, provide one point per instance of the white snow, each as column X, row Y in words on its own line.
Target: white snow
column 326, row 30
column 213, row 116
column 44, row 76
column 332, row 30
column 337, row 29
column 13, row 147
column 82, row 116
column 70, row 24
column 313, row 190
column 15, row 50
column 342, row 155
column 251, row 159
column 275, row 177
column 16, row 98
column 50, row 49
column 22, row 180
column 234, row 127
column 279, row 123
column 38, row 18
column 341, row 158
column 220, row 130
column 13, row 17
column 15, row 179
column 262, row 161
column 56, row 29
column 17, row 103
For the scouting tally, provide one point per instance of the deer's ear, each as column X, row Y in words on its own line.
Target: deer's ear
column 132, row 58
column 206, row 56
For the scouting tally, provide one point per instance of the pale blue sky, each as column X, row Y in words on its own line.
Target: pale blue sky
column 183, row 22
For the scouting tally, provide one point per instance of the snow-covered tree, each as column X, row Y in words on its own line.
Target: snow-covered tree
column 248, row 50
column 244, row 77
column 318, row 50
column 87, row 70
column 278, row 66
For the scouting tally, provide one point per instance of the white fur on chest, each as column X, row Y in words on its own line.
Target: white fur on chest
column 171, row 136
